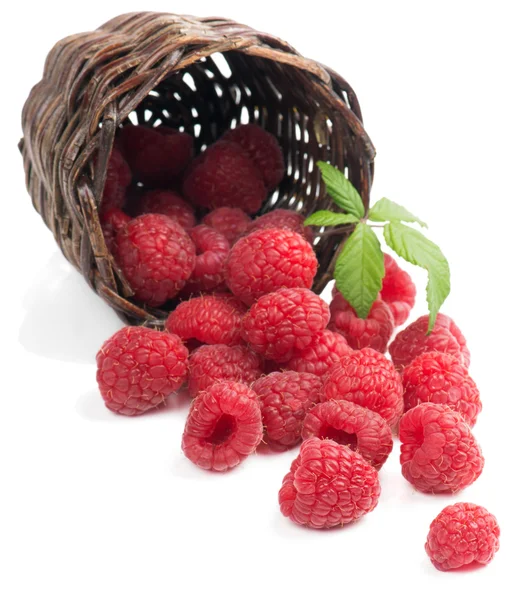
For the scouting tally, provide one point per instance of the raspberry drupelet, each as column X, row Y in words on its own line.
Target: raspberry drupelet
column 462, row 534
column 284, row 321
column 398, row 290
column 156, row 256
column 218, row 362
column 326, row 348
column 212, row 250
column 230, row 222
column 439, row 452
column 362, row 430
column 263, row 149
column 265, row 261
column 223, row 426
column 209, row 319
column 166, row 202
column 328, row 485
column 223, row 175
column 373, row 332
column 442, row 379
column 285, row 398
column 138, row 368
column 414, row 340
column 369, row 379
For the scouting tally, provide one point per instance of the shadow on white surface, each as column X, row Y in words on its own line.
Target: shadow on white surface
column 91, row 406
column 64, row 319
column 286, row 528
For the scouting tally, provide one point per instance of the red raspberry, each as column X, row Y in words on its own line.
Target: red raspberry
column 462, row 534
column 268, row 260
column 157, row 156
column 373, row 332
column 284, row 321
column 112, row 221
column 212, row 249
column 414, row 340
column 156, row 256
column 263, row 149
column 283, row 219
column 224, row 175
column 138, row 368
column 443, row 379
column 284, row 399
column 165, row 202
column 366, row 378
column 230, row 222
column 398, row 290
column 328, row 485
column 118, row 178
column 208, row 319
column 223, row 426
column 325, row 349
column 438, row 452
column 219, row 362
column 449, row 324
column 362, row 430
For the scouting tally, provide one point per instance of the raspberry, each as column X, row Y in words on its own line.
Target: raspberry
column 223, row 426
column 362, row 430
column 118, row 178
column 230, row 222
column 165, row 202
column 325, row 349
column 414, row 340
column 219, row 362
column 284, row 399
column 283, row 219
column 263, row 149
column 284, row 321
column 138, row 368
column 398, row 290
column 268, row 260
column 208, row 319
column 156, row 256
column 366, row 378
column 224, row 175
column 156, row 156
column 462, row 534
column 373, row 332
column 212, row 250
column 438, row 452
column 328, row 485
column 442, row 379
column 112, row 221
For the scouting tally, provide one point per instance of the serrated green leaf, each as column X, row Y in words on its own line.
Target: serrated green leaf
column 359, row 269
column 324, row 218
column 341, row 190
column 414, row 247
column 387, row 210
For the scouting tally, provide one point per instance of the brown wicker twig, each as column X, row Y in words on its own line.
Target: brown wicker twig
column 200, row 75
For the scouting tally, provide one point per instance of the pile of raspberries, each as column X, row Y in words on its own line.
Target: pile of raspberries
column 267, row 361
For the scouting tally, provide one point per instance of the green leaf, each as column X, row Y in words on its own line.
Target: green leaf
column 414, row 247
column 359, row 269
column 328, row 218
column 341, row 190
column 386, row 210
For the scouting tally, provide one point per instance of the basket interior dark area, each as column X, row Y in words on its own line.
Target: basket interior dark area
column 202, row 76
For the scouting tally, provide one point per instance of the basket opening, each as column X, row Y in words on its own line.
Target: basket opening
column 222, row 91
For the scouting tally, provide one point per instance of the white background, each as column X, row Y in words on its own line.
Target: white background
column 99, row 506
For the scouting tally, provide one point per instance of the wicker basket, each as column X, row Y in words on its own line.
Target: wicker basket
column 203, row 75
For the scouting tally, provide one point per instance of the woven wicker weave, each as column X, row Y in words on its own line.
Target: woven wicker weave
column 203, row 75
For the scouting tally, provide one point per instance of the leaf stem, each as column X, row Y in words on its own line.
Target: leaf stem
column 335, row 231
